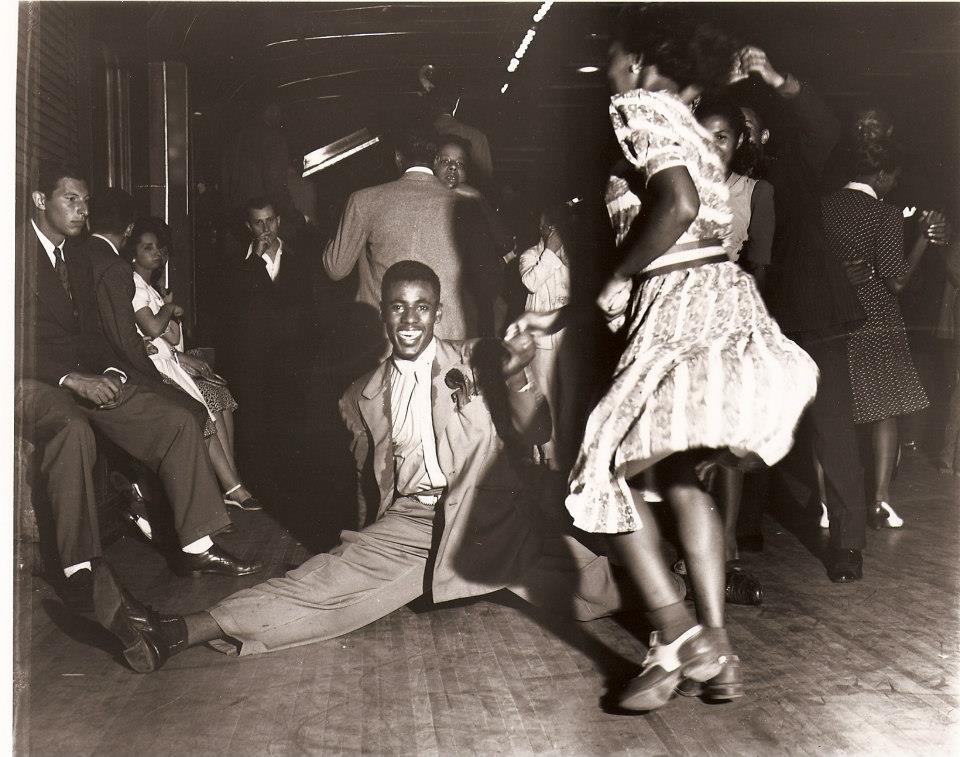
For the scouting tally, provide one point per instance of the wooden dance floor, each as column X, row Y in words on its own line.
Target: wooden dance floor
column 866, row 668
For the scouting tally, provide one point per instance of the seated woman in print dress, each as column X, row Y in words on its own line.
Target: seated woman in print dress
column 705, row 367
column 867, row 235
column 156, row 320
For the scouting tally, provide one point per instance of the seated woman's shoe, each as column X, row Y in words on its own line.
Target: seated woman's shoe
column 692, row 655
column 215, row 560
column 883, row 516
column 250, row 502
column 742, row 588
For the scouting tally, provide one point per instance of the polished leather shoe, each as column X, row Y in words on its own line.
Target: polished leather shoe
column 845, row 566
column 129, row 519
column 743, row 588
column 135, row 625
column 76, row 592
column 214, row 560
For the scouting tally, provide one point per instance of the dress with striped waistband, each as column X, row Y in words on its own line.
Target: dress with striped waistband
column 705, row 365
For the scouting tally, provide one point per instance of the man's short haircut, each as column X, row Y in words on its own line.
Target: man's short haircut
column 111, row 211
column 258, row 203
column 49, row 172
column 406, row 271
column 417, row 147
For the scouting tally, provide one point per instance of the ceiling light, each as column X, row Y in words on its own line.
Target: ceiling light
column 513, row 65
column 503, row 89
column 588, row 69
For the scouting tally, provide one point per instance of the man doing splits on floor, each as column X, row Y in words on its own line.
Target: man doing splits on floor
column 442, row 426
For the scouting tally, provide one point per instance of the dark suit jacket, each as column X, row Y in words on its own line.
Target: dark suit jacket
column 808, row 290
column 50, row 341
column 105, row 306
column 95, row 331
column 270, row 319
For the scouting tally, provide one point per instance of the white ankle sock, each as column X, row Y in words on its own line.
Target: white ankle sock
column 200, row 545
column 77, row 568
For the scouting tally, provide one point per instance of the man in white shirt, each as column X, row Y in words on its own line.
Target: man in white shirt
column 269, row 336
column 442, row 427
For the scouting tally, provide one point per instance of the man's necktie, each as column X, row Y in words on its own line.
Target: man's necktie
column 61, row 268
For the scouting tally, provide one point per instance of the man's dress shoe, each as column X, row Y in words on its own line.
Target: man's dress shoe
column 741, row 587
column 846, row 565
column 76, row 592
column 136, row 626
column 214, row 560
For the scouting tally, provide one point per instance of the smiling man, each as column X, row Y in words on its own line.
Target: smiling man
column 457, row 516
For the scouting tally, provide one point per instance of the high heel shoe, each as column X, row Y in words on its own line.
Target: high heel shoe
column 824, row 515
column 883, row 516
column 251, row 503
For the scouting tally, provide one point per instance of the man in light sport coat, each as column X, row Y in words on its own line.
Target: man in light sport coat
column 416, row 217
column 441, row 427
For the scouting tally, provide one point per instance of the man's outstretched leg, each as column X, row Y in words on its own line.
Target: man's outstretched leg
column 369, row 575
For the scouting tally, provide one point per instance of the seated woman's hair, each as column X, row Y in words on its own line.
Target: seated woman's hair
column 406, row 271
column 150, row 225
column 674, row 37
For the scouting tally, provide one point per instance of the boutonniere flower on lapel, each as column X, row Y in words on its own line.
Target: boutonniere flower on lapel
column 460, row 380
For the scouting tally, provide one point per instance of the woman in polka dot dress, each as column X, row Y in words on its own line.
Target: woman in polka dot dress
column 867, row 235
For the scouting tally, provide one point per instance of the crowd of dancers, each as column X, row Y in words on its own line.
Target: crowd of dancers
column 745, row 302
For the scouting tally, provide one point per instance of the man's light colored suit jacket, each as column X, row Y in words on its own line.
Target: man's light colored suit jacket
column 489, row 525
column 418, row 218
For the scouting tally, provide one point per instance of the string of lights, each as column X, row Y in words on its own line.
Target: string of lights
column 524, row 45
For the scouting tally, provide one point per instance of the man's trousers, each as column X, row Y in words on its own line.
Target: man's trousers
column 380, row 569
column 162, row 435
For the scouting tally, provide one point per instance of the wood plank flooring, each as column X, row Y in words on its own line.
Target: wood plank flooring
column 868, row 668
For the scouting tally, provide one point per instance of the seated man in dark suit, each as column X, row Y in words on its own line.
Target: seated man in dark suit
column 70, row 378
column 439, row 431
column 270, row 319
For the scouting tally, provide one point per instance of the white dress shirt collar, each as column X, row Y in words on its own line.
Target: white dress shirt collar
column 856, row 186
column 273, row 265
column 419, row 169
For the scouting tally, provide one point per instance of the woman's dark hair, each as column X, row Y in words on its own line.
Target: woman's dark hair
column 745, row 158
column 151, row 225
column 684, row 48
column 870, row 144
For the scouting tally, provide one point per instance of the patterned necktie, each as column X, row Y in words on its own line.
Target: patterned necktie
column 61, row 268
